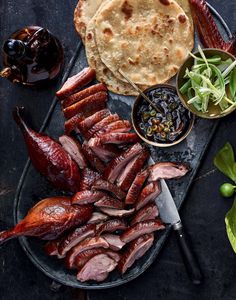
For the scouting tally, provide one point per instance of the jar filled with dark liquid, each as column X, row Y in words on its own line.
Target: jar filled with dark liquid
column 32, row 56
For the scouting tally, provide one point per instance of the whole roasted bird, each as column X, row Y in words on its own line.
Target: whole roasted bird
column 49, row 158
column 49, row 218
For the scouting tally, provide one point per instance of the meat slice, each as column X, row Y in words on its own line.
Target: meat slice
column 72, row 123
column 88, row 177
column 114, row 168
column 128, row 175
column 136, row 187
column 111, row 226
column 114, row 138
column 75, row 237
column 141, row 228
column 97, row 268
column 89, row 243
column 97, row 217
column 110, row 203
column 83, row 107
column 106, row 152
column 148, row 212
column 73, row 147
column 87, row 196
column 51, row 248
column 135, row 250
column 100, row 125
column 105, row 185
column 85, row 256
column 91, row 90
column 149, row 193
column 114, row 241
column 76, row 82
column 167, row 170
column 117, row 212
column 90, row 121
column 117, row 126
column 93, row 159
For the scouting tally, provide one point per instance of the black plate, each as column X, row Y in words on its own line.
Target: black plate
column 33, row 187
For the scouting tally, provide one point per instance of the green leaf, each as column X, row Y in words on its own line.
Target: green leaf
column 230, row 221
column 224, row 161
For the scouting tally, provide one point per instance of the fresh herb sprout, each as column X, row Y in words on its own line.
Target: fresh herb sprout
column 210, row 80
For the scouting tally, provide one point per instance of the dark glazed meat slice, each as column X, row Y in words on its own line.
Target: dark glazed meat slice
column 85, row 256
column 114, row 138
column 73, row 147
column 104, row 185
column 136, row 187
column 148, row 212
column 149, row 193
column 76, row 82
column 51, row 248
column 167, row 170
column 48, row 219
column 111, row 226
column 117, row 126
column 83, row 107
column 88, row 177
column 97, row 268
column 89, row 243
column 135, row 250
column 89, row 122
column 114, row 241
column 91, row 90
column 86, row 197
column 97, row 217
column 106, row 152
column 131, row 170
column 117, row 212
column 141, row 228
column 93, row 159
column 100, row 125
column 114, row 168
column 110, row 203
column 72, row 123
column 76, row 236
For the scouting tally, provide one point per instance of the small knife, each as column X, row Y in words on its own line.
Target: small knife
column 170, row 215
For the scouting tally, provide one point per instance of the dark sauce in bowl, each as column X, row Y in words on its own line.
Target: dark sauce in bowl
column 165, row 128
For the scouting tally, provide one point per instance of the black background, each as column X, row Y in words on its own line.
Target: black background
column 203, row 212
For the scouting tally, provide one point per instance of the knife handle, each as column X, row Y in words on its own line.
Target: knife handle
column 189, row 258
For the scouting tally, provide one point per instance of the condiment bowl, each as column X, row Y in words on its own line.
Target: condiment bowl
column 136, row 116
column 213, row 111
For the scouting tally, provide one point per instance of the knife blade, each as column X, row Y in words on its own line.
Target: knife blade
column 170, row 215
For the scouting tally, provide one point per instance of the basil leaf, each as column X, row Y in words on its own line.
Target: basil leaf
column 232, row 83
column 224, row 161
column 230, row 221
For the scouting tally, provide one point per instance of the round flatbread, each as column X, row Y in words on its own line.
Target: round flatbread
column 147, row 39
column 103, row 74
column 84, row 12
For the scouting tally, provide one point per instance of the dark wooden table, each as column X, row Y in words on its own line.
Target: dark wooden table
column 203, row 212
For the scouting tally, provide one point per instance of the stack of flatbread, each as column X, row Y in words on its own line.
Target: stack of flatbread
column 148, row 40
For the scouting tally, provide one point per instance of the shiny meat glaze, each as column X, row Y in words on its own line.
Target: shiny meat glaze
column 148, row 194
column 86, row 197
column 104, row 185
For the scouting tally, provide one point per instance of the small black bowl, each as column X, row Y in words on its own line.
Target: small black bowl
column 134, row 116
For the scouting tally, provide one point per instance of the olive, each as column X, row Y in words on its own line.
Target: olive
column 163, row 135
column 156, row 121
column 146, row 115
column 227, row 190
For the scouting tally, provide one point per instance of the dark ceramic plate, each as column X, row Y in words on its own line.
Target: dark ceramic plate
column 32, row 187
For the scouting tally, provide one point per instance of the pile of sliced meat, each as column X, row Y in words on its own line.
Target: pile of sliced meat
column 115, row 179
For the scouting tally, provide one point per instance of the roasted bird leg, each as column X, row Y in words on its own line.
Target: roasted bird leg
column 48, row 219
